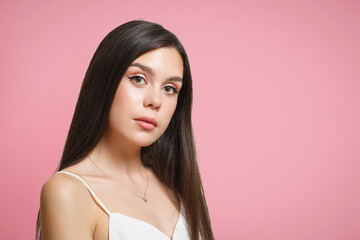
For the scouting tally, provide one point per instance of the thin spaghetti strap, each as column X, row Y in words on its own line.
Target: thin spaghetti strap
column 91, row 191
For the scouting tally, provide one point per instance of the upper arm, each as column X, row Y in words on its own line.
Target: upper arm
column 65, row 209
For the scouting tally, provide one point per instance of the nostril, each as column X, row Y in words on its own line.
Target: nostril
column 153, row 100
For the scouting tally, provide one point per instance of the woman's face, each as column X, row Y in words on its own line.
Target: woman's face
column 147, row 96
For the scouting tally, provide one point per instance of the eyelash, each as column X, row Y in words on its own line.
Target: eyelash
column 134, row 78
column 173, row 88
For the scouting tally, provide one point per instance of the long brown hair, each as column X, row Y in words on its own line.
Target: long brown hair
column 173, row 156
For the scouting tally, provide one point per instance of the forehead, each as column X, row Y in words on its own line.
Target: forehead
column 165, row 60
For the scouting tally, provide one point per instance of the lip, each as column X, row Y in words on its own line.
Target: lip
column 146, row 122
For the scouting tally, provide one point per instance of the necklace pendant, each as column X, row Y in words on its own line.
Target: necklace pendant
column 144, row 198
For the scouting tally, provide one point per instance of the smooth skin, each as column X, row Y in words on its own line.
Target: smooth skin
column 149, row 88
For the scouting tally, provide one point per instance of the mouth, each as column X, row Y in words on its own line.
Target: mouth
column 146, row 122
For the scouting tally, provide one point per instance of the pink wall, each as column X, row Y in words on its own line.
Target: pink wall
column 276, row 107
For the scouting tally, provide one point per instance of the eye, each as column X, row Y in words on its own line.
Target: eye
column 170, row 89
column 138, row 80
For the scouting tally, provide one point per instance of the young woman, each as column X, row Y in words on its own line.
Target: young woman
column 129, row 168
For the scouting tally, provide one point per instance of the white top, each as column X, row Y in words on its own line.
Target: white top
column 123, row 227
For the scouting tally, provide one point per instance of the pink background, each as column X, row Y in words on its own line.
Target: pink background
column 276, row 107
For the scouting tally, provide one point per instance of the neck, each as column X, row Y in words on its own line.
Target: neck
column 118, row 158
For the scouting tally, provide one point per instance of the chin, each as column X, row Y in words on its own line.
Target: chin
column 144, row 141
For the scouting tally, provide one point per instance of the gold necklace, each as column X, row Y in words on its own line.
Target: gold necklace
column 147, row 182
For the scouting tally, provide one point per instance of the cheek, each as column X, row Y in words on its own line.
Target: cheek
column 169, row 110
column 122, row 96
column 122, row 105
column 126, row 99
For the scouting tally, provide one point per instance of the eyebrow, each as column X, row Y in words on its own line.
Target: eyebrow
column 150, row 71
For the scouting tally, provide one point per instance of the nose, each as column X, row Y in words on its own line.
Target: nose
column 153, row 100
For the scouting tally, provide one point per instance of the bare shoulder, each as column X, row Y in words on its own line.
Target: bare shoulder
column 65, row 209
column 63, row 188
column 57, row 180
